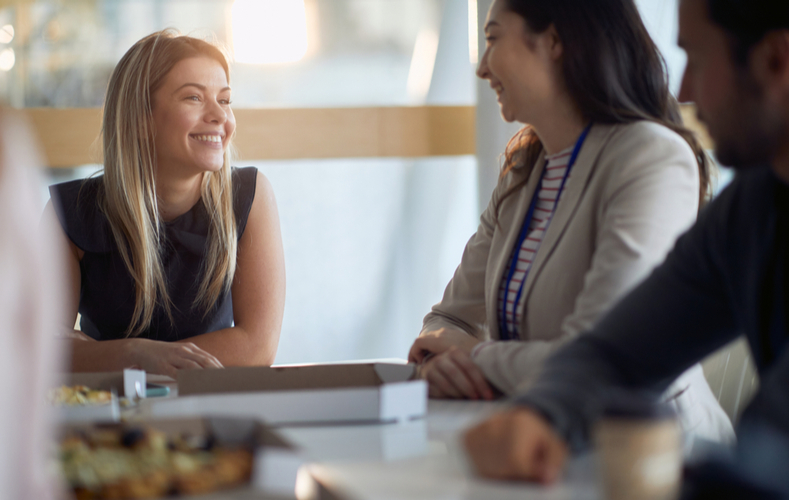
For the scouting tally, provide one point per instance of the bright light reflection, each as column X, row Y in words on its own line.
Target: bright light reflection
column 422, row 61
column 269, row 31
column 7, row 59
column 306, row 489
column 6, row 33
column 472, row 5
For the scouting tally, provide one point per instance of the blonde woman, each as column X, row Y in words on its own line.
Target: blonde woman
column 175, row 259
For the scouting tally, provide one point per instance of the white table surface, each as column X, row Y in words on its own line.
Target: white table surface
column 420, row 459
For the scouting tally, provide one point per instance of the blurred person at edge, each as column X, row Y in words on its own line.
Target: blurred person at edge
column 175, row 258
column 31, row 291
column 726, row 276
column 595, row 190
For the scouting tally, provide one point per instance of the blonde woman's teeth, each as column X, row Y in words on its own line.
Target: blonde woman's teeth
column 208, row 138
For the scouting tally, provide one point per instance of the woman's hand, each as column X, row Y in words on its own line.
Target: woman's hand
column 516, row 444
column 453, row 374
column 439, row 341
column 166, row 358
column 76, row 335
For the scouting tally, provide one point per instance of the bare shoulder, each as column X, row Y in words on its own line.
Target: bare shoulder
column 264, row 204
column 264, row 193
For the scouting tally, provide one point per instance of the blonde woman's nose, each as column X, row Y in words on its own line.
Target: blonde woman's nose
column 216, row 113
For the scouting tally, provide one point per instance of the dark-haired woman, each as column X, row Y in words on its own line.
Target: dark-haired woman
column 594, row 192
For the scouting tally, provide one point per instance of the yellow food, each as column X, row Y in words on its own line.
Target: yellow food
column 78, row 395
column 143, row 463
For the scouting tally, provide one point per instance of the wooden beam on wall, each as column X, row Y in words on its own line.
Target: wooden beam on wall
column 69, row 137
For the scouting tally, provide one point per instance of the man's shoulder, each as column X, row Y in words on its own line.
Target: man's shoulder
column 738, row 221
column 750, row 192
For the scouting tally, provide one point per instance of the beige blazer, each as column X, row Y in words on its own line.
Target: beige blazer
column 632, row 190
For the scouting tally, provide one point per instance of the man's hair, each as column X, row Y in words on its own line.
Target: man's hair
column 748, row 21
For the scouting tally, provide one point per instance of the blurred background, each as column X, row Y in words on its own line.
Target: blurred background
column 370, row 242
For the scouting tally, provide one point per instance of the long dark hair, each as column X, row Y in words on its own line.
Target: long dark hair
column 613, row 71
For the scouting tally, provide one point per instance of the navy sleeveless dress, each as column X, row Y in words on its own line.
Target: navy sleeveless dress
column 107, row 289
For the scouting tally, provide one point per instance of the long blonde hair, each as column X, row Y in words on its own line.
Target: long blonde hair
column 129, row 190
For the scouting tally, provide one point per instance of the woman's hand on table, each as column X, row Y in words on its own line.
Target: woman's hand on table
column 438, row 341
column 76, row 335
column 453, row 374
column 516, row 444
column 166, row 358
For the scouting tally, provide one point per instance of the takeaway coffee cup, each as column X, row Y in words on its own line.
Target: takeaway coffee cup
column 639, row 445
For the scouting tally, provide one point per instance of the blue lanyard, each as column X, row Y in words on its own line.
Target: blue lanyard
column 505, row 334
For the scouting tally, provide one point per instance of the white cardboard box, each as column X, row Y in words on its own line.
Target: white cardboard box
column 106, row 412
column 370, row 392
column 379, row 443
column 128, row 383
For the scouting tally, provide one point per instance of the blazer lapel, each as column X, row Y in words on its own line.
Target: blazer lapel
column 580, row 174
column 512, row 213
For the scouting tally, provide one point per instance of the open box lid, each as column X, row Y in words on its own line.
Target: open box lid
column 289, row 378
column 128, row 383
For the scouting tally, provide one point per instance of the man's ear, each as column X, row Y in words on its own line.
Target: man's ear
column 768, row 62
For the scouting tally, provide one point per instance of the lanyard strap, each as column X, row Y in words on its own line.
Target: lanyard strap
column 508, row 335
